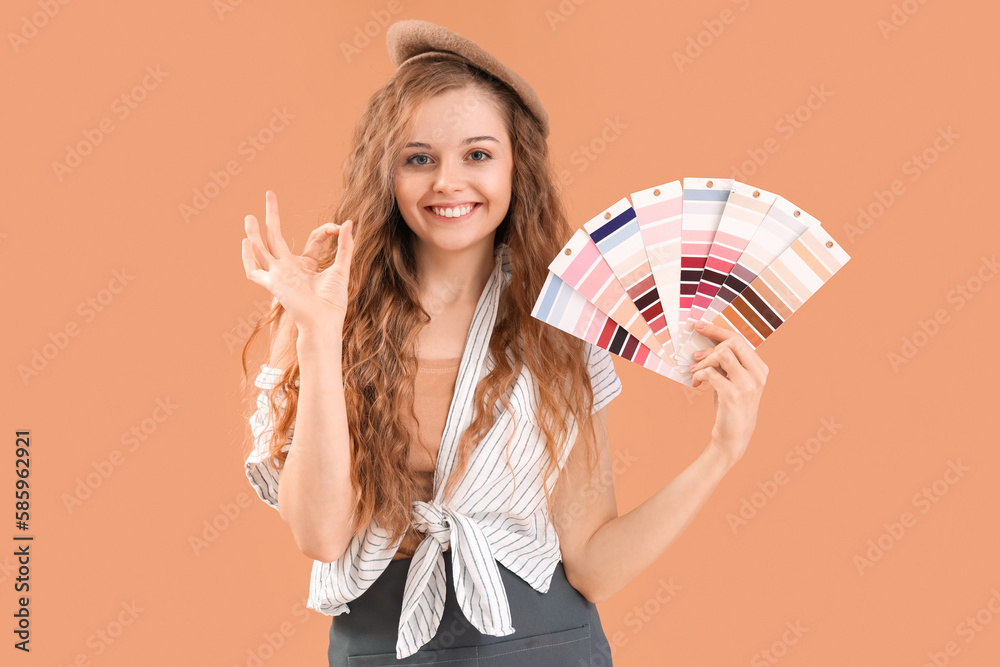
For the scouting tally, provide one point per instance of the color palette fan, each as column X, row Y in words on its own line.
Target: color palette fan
column 639, row 274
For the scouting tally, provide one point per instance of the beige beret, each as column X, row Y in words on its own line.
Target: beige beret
column 412, row 39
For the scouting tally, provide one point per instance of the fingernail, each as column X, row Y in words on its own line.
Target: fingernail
column 699, row 325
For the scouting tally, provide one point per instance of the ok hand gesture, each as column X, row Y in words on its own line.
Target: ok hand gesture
column 311, row 297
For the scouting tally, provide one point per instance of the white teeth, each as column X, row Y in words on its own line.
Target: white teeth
column 453, row 212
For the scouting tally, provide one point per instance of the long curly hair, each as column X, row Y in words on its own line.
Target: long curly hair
column 384, row 314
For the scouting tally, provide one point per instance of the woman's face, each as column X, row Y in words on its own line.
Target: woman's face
column 453, row 177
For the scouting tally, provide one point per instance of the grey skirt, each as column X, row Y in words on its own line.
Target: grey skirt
column 559, row 628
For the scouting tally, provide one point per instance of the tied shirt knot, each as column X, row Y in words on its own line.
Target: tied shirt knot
column 432, row 520
column 478, row 586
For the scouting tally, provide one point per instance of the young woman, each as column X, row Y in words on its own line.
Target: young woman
column 450, row 472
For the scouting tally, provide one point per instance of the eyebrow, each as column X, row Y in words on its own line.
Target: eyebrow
column 470, row 140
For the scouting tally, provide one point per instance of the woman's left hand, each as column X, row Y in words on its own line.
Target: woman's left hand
column 737, row 376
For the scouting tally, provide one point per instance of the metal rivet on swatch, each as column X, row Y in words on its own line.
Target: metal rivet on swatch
column 829, row 244
column 656, row 192
column 797, row 213
column 568, row 251
column 756, row 193
column 709, row 184
column 607, row 216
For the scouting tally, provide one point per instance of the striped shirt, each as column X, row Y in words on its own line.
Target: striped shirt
column 489, row 518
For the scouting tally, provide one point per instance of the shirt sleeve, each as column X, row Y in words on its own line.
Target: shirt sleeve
column 602, row 376
column 259, row 467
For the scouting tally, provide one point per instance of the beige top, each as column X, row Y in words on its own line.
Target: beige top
column 433, row 391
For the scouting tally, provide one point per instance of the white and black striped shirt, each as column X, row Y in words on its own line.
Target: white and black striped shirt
column 489, row 519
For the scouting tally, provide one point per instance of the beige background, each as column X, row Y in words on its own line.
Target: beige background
column 167, row 330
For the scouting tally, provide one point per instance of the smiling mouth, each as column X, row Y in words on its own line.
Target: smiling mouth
column 465, row 211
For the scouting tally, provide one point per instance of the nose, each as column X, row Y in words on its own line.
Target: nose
column 448, row 177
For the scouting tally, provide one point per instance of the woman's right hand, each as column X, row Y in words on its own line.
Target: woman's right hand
column 311, row 297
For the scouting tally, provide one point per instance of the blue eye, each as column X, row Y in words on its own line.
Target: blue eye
column 412, row 159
